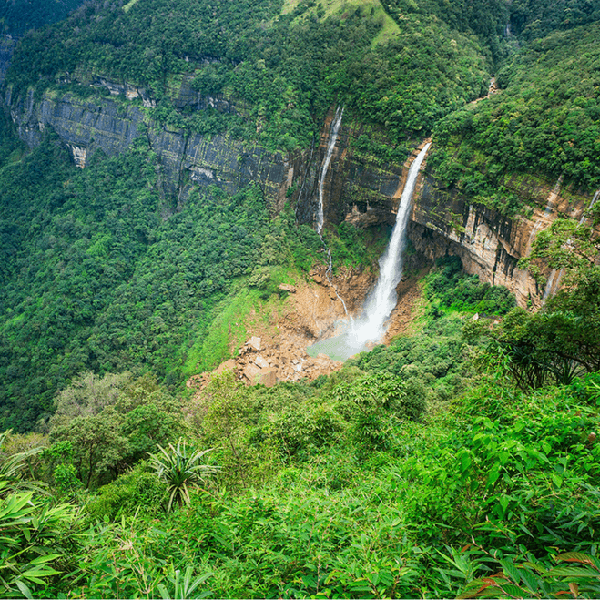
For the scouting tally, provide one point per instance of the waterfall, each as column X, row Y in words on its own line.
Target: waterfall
column 549, row 285
column 556, row 278
column 334, row 129
column 371, row 326
column 594, row 200
column 382, row 300
column 553, row 196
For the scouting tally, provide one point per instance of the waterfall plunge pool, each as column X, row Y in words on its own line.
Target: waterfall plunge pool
column 342, row 346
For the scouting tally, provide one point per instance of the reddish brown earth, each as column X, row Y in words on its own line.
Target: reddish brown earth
column 276, row 347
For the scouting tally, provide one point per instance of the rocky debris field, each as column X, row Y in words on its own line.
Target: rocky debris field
column 276, row 351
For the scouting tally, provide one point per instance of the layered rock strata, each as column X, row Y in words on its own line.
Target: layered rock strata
column 363, row 191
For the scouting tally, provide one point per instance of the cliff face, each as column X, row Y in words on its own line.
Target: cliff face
column 489, row 243
column 366, row 193
column 111, row 124
column 361, row 190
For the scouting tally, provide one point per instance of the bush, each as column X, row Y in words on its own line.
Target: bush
column 136, row 491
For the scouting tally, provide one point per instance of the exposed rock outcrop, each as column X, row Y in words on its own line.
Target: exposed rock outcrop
column 358, row 189
column 489, row 243
column 112, row 124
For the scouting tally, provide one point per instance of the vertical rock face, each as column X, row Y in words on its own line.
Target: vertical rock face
column 489, row 243
column 111, row 125
column 358, row 189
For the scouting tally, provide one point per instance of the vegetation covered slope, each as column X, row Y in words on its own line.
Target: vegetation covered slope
column 460, row 461
column 281, row 68
column 415, row 471
column 544, row 122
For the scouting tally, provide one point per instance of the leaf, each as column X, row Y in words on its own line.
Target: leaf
column 36, row 573
column 579, row 557
column 493, row 477
column 44, row 559
column 24, row 590
column 530, row 581
column 573, row 572
column 512, row 590
column 511, row 570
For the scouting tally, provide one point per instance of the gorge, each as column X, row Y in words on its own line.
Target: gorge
column 299, row 298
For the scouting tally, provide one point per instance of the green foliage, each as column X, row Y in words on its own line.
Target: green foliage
column 450, row 288
column 373, row 403
column 136, row 492
column 31, row 541
column 104, row 425
column 18, row 16
column 13, row 465
column 93, row 279
column 536, row 18
column 281, row 70
column 181, row 469
column 544, row 122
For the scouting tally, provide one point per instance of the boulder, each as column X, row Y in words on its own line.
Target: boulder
column 254, row 343
column 268, row 377
column 252, row 373
column 261, row 362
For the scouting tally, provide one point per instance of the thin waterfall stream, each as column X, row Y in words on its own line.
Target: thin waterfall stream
column 370, row 328
column 555, row 278
column 334, row 131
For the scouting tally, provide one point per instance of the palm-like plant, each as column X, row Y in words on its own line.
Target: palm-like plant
column 181, row 468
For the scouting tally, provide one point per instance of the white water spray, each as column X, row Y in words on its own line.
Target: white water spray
column 372, row 325
column 553, row 196
column 592, row 204
column 382, row 300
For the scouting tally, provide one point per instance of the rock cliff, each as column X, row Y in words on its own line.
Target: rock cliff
column 359, row 189
column 489, row 243
column 112, row 123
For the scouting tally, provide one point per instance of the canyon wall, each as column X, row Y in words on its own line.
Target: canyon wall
column 111, row 124
column 489, row 243
column 362, row 190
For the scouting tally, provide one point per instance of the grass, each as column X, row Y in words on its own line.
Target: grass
column 389, row 27
column 231, row 327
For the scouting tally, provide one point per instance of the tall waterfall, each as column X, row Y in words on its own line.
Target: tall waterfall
column 371, row 326
column 382, row 300
column 334, row 130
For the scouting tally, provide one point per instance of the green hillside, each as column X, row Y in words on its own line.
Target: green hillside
column 283, row 71
column 545, row 121
column 460, row 461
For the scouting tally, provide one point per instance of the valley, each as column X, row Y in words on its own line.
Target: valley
column 299, row 298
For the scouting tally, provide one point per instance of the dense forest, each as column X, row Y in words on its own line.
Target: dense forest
column 459, row 461
column 20, row 16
